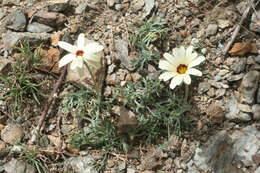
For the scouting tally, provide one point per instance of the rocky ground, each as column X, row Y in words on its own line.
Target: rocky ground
column 224, row 104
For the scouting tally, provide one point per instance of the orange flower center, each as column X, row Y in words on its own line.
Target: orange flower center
column 80, row 53
column 181, row 69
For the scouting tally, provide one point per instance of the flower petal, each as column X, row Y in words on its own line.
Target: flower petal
column 167, row 75
column 169, row 58
column 165, row 65
column 77, row 62
column 196, row 61
column 81, row 41
column 194, row 72
column 92, row 57
column 179, row 52
column 68, row 47
column 66, row 59
column 190, row 54
column 93, row 47
column 177, row 80
column 187, row 79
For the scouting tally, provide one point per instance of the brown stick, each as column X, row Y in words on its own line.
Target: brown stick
column 47, row 106
column 234, row 35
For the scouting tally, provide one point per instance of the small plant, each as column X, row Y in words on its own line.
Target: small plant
column 31, row 157
column 20, row 85
column 159, row 110
column 150, row 32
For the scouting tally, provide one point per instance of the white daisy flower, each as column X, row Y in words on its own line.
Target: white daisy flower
column 79, row 53
column 179, row 66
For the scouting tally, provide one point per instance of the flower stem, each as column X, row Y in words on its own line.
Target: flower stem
column 96, row 86
column 186, row 93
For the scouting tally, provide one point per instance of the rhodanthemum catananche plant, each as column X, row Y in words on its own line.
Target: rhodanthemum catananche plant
column 179, row 66
column 80, row 53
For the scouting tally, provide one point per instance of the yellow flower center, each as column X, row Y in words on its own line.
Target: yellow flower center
column 181, row 69
column 80, row 53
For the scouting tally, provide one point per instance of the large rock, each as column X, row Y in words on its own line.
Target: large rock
column 50, row 18
column 248, row 87
column 255, row 24
column 16, row 21
column 58, row 6
column 12, row 134
column 38, row 28
column 82, row 164
column 11, row 39
column 18, row 166
column 225, row 152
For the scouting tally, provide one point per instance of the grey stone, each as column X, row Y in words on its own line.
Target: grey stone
column 121, row 48
column 11, row 39
column 16, row 21
column 255, row 25
column 234, row 78
column 211, row 29
column 110, row 3
column 82, row 164
column 224, row 150
column 149, row 6
column 81, row 8
column 5, row 66
column 130, row 170
column 12, row 134
column 52, row 19
column 18, row 166
column 136, row 5
column 38, row 28
column 203, row 87
column 58, row 6
column 256, row 111
column 220, row 92
column 118, row 7
column 248, row 87
column 258, row 96
column 239, row 66
column 257, row 59
column 234, row 112
column 11, row 2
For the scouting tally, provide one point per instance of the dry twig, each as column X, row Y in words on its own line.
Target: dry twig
column 244, row 16
column 47, row 106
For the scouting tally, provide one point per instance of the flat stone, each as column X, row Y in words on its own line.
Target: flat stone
column 225, row 149
column 12, row 134
column 255, row 25
column 11, row 39
column 110, row 3
column 211, row 92
column 256, row 111
column 136, row 5
column 234, row 78
column 82, row 164
column 211, row 30
column 52, row 19
column 223, row 23
column 16, row 21
column 258, row 96
column 58, row 6
column 203, row 87
column 244, row 107
column 121, row 48
column 248, row 87
column 81, row 8
column 11, row 2
column 257, row 59
column 5, row 66
column 3, row 148
column 18, row 166
column 239, row 66
column 149, row 6
column 38, row 28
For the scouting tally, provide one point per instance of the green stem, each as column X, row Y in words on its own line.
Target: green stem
column 186, row 93
column 96, row 86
